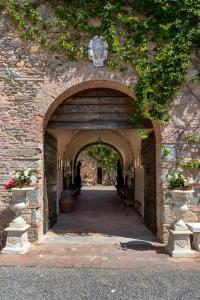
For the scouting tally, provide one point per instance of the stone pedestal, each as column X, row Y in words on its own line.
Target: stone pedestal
column 17, row 236
column 17, row 240
column 195, row 228
column 179, row 243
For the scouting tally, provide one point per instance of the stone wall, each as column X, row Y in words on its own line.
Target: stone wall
column 88, row 168
column 33, row 82
column 185, row 119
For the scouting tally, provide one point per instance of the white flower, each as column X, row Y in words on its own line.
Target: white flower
column 26, row 173
column 33, row 179
column 17, row 175
column 176, row 175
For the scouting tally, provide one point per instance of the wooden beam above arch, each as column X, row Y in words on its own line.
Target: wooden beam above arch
column 95, row 109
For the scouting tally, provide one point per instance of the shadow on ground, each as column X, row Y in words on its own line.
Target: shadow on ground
column 143, row 246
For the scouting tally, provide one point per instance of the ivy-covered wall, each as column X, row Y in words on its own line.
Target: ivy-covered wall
column 157, row 65
column 154, row 37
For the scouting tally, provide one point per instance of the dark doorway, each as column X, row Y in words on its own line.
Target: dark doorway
column 99, row 175
column 148, row 159
column 50, row 193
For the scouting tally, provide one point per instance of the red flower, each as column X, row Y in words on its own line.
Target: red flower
column 12, row 181
column 10, row 184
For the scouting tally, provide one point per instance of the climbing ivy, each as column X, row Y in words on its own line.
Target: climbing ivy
column 104, row 154
column 131, row 28
column 192, row 165
column 192, row 137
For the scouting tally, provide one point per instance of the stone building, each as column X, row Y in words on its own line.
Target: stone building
column 92, row 171
column 49, row 102
column 88, row 168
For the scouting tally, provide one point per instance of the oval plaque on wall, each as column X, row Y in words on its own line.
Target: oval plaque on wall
column 97, row 51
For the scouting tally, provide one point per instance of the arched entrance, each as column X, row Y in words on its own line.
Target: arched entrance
column 86, row 113
column 99, row 170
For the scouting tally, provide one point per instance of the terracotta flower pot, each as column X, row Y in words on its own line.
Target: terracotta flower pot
column 67, row 203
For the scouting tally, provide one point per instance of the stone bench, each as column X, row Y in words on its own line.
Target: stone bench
column 195, row 228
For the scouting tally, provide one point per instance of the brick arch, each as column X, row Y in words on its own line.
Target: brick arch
column 62, row 91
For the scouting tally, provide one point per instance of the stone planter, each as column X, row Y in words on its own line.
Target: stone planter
column 180, row 199
column 17, row 237
column 179, row 237
column 20, row 201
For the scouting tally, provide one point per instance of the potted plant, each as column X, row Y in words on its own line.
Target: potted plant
column 20, row 179
column 181, row 192
column 22, row 189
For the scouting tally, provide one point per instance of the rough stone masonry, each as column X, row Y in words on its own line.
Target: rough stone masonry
column 33, row 82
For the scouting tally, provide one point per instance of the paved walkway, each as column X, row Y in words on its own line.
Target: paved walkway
column 109, row 256
column 98, row 234
column 99, row 218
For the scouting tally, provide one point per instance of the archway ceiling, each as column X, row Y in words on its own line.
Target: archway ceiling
column 112, row 137
column 95, row 109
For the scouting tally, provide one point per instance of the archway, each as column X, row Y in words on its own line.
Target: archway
column 71, row 115
column 99, row 169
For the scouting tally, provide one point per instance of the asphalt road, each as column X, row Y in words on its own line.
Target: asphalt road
column 91, row 284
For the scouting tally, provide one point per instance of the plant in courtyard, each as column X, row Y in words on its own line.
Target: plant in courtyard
column 177, row 180
column 21, row 178
column 105, row 155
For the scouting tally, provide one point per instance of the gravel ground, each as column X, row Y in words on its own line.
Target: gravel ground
column 52, row 283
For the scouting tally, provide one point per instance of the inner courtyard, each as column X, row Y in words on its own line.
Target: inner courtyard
column 99, row 217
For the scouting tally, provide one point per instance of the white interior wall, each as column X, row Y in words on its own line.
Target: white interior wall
column 111, row 137
column 127, row 142
column 139, row 187
column 131, row 135
column 63, row 136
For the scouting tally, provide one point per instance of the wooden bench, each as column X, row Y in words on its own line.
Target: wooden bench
column 127, row 202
